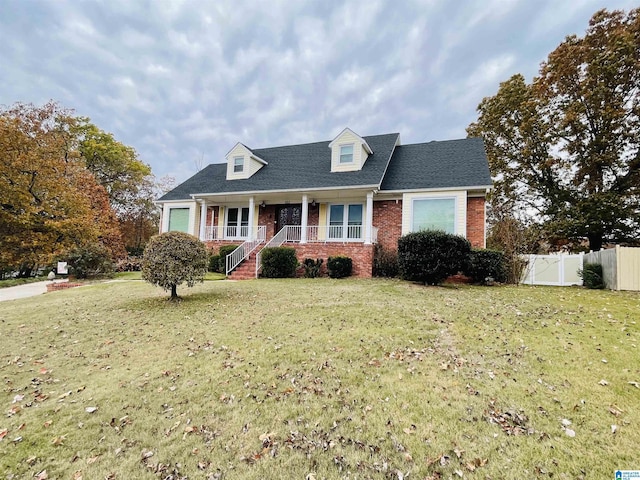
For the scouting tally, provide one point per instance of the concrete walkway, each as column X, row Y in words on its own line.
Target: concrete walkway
column 23, row 291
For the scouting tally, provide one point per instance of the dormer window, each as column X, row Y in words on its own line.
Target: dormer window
column 238, row 164
column 346, row 153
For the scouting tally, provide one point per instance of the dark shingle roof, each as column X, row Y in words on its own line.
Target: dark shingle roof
column 446, row 164
column 295, row 167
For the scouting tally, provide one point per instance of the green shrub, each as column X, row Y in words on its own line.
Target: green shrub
column 484, row 266
column 430, row 256
column 279, row 262
column 222, row 257
column 89, row 261
column 129, row 264
column 339, row 266
column 312, row 267
column 592, row 276
column 214, row 263
column 385, row 262
column 173, row 258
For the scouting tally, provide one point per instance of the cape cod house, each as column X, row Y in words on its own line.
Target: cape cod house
column 335, row 197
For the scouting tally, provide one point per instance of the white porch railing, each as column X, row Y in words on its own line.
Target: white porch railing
column 328, row 233
column 243, row 251
column 212, row 232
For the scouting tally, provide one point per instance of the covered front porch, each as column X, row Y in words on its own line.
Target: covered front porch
column 256, row 222
column 305, row 219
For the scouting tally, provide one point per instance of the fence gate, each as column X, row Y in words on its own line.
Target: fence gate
column 559, row 270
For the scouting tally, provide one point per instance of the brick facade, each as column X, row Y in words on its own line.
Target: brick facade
column 387, row 217
column 361, row 255
column 475, row 221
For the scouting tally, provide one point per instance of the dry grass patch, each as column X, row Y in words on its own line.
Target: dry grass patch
column 319, row 379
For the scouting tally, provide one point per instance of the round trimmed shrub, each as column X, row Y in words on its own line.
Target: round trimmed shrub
column 173, row 258
column 279, row 262
column 430, row 256
column 339, row 266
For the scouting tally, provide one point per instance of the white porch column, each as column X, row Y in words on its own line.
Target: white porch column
column 369, row 220
column 252, row 207
column 305, row 218
column 203, row 219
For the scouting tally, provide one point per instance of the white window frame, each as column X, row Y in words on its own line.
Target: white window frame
column 455, row 210
column 342, row 155
column 238, row 227
column 238, row 162
column 344, row 228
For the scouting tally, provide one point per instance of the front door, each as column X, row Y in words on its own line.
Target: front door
column 288, row 215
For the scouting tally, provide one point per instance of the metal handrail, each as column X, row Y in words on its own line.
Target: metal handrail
column 244, row 250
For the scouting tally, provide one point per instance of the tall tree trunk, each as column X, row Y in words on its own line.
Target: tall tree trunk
column 174, row 292
column 595, row 241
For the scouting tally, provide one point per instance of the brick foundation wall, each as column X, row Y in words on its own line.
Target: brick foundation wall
column 214, row 246
column 387, row 217
column 361, row 255
column 475, row 221
column 55, row 286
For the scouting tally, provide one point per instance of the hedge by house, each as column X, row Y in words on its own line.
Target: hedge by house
column 339, row 266
column 430, row 256
column 279, row 262
column 483, row 265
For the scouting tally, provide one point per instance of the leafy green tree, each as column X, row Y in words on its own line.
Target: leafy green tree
column 565, row 148
column 116, row 166
column 173, row 258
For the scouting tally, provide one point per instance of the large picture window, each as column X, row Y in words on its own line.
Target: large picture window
column 434, row 214
column 179, row 220
column 345, row 221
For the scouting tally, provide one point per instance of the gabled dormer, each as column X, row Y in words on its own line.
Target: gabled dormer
column 349, row 151
column 242, row 163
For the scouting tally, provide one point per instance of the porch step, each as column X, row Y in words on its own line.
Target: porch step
column 246, row 270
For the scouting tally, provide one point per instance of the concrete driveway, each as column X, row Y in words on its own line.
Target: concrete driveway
column 23, row 291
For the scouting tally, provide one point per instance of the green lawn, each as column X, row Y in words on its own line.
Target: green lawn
column 320, row 379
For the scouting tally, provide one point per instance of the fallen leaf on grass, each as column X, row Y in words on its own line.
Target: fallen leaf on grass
column 614, row 428
column 569, row 432
column 3, row 433
column 57, row 441
column 91, row 409
column 635, row 384
column 77, row 475
column 614, row 410
column 18, row 398
column 476, row 463
column 31, row 461
column 48, row 423
column 92, row 460
column 603, row 382
column 43, row 475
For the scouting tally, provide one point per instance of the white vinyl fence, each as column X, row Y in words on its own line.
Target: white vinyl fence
column 620, row 268
column 559, row 270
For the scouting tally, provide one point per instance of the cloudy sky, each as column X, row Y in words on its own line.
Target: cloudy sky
column 183, row 81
